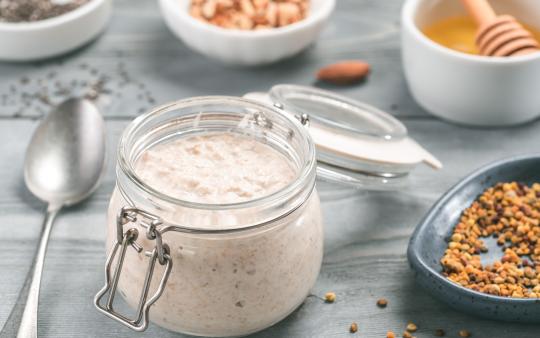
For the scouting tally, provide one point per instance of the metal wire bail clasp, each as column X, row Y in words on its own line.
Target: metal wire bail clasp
column 160, row 253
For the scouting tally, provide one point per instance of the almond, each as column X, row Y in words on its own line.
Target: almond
column 345, row 72
column 247, row 8
column 209, row 9
column 288, row 13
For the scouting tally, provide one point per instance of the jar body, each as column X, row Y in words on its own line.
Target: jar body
column 223, row 269
column 230, row 284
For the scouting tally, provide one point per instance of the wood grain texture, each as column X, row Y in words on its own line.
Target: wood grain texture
column 366, row 232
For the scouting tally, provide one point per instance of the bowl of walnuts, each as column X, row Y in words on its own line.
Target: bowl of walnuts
column 247, row 32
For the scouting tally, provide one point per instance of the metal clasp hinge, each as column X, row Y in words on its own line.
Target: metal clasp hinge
column 160, row 253
column 303, row 118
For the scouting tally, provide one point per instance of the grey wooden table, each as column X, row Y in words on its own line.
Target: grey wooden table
column 136, row 64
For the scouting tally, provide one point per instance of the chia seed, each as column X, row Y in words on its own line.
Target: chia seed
column 32, row 94
column 35, row 10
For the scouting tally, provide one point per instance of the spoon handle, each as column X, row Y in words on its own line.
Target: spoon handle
column 480, row 10
column 28, row 322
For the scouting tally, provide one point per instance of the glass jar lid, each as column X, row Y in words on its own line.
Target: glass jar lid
column 357, row 144
column 337, row 113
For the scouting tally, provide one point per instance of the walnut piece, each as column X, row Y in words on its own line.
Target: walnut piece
column 249, row 14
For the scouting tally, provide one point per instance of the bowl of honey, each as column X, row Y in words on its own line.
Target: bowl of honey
column 449, row 78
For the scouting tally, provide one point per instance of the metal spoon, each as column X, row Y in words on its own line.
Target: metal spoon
column 64, row 163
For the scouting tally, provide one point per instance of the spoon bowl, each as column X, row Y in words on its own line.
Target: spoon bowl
column 65, row 158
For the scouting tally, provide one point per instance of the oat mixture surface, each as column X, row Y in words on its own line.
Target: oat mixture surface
column 216, row 168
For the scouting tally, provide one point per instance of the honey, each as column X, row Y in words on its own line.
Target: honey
column 458, row 33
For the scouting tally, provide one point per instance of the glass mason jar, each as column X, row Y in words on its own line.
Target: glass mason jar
column 212, row 269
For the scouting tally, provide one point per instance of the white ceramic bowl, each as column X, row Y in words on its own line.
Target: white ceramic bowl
column 469, row 89
column 26, row 41
column 245, row 47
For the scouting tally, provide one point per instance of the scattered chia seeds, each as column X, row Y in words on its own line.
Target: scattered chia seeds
column 35, row 10
column 33, row 94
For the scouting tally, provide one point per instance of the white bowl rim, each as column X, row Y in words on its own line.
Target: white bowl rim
column 312, row 18
column 61, row 19
column 407, row 17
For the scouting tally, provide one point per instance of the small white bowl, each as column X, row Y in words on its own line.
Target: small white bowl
column 245, row 47
column 469, row 89
column 26, row 41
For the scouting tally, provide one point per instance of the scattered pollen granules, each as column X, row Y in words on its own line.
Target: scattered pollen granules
column 510, row 212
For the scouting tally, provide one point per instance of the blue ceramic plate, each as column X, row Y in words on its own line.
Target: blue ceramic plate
column 430, row 239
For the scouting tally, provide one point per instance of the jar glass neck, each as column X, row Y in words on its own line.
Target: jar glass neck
column 215, row 114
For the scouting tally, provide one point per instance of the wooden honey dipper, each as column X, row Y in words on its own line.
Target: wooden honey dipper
column 499, row 35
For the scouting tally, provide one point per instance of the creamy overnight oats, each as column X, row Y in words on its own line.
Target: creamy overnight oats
column 215, row 168
column 232, row 183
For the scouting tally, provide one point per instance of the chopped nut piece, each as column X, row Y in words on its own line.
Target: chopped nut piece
column 209, row 9
column 272, row 14
column 330, row 297
column 411, row 327
column 390, row 334
column 353, row 328
column 464, row 333
column 288, row 13
column 439, row 333
column 407, row 334
column 247, row 7
column 382, row 303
